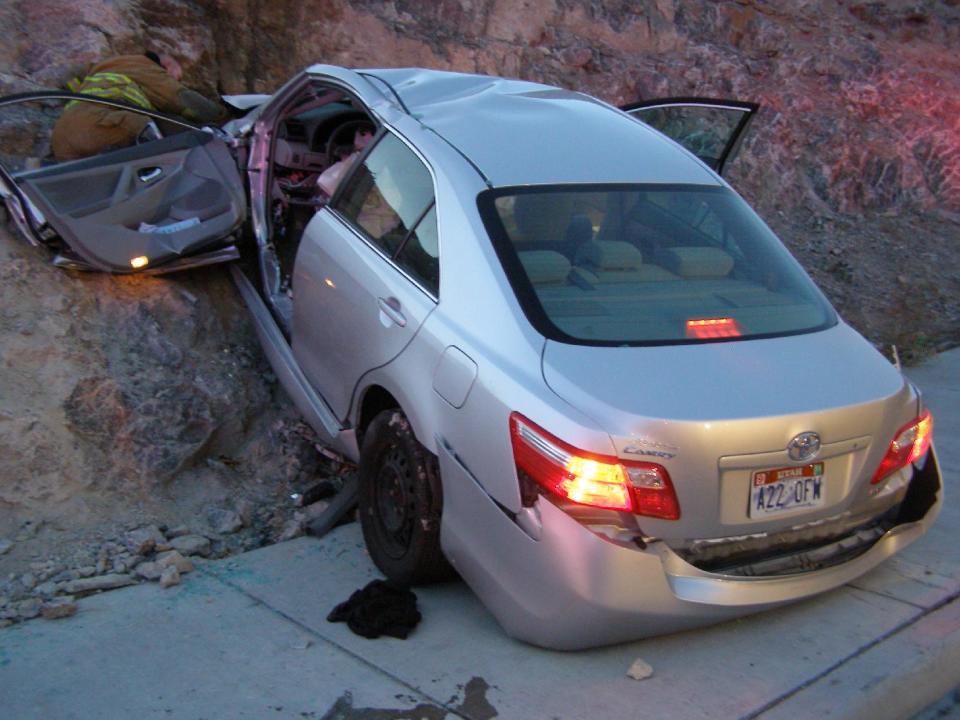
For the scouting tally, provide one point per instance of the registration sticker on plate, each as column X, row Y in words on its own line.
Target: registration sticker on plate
column 776, row 491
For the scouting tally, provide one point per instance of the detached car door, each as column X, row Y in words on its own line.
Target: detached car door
column 710, row 129
column 367, row 271
column 160, row 205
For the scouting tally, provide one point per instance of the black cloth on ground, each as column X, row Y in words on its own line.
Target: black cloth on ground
column 380, row 608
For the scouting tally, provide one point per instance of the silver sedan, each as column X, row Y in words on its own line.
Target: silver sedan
column 573, row 365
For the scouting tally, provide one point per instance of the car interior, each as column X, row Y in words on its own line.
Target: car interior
column 638, row 265
column 317, row 138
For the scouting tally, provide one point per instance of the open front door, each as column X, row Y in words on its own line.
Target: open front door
column 710, row 129
column 156, row 206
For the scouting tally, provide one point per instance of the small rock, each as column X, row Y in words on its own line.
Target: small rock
column 178, row 531
column 102, row 563
column 58, row 610
column 29, row 608
column 149, row 570
column 46, row 589
column 28, row 580
column 175, row 559
column 86, row 571
column 639, row 670
column 311, row 512
column 101, row 582
column 246, row 511
column 5, row 546
column 293, row 529
column 224, row 521
column 191, row 545
column 170, row 577
column 142, row 541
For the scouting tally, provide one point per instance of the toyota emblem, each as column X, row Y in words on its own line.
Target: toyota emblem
column 804, row 446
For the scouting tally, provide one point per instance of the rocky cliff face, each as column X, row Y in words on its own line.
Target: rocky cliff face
column 140, row 385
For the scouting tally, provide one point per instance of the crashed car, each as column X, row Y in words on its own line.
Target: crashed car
column 571, row 362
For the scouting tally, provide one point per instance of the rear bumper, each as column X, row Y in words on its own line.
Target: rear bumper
column 570, row 589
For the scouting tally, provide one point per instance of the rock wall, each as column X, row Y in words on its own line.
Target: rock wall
column 861, row 100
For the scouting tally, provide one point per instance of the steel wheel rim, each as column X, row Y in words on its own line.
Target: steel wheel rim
column 394, row 502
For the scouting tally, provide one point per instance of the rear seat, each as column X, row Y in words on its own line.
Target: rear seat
column 694, row 263
column 550, row 274
column 604, row 262
column 545, row 267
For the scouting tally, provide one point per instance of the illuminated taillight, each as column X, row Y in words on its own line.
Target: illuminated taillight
column 711, row 328
column 589, row 479
column 909, row 445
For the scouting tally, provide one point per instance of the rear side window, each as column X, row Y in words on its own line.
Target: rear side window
column 390, row 199
column 648, row 264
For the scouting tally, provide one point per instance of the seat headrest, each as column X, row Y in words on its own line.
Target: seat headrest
column 697, row 262
column 544, row 267
column 611, row 255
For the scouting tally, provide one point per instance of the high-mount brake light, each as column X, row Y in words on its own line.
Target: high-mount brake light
column 909, row 445
column 711, row 328
column 589, row 479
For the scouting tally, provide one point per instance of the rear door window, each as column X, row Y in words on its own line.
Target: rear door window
column 389, row 198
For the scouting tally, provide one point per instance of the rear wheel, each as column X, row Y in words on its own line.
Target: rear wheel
column 400, row 502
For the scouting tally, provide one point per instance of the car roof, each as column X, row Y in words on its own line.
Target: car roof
column 520, row 133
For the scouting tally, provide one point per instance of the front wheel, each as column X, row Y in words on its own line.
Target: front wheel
column 400, row 502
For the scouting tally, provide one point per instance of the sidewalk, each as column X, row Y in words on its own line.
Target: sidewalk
column 247, row 638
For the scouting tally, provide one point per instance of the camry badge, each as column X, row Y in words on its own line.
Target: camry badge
column 804, row 446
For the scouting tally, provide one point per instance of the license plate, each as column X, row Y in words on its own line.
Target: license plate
column 777, row 491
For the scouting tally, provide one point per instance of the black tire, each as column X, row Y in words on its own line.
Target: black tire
column 400, row 502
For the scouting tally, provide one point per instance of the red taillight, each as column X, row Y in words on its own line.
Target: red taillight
column 588, row 479
column 710, row 328
column 909, row 445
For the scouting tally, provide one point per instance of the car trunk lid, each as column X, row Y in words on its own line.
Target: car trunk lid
column 717, row 414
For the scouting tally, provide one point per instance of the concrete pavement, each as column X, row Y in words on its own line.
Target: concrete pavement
column 247, row 638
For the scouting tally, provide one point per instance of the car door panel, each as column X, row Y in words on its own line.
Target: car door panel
column 353, row 309
column 160, row 201
column 710, row 129
column 138, row 208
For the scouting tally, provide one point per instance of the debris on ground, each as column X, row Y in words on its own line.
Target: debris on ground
column 379, row 608
column 640, row 670
column 224, row 521
column 173, row 558
column 338, row 509
column 58, row 610
column 144, row 540
column 320, row 491
column 110, row 581
column 191, row 545
column 170, row 576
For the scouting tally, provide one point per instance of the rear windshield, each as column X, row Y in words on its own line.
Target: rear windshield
column 648, row 264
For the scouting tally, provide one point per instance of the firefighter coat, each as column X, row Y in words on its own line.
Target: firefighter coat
column 86, row 129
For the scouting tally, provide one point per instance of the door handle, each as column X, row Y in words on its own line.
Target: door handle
column 391, row 308
column 146, row 175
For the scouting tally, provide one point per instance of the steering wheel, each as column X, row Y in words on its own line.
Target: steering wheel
column 342, row 136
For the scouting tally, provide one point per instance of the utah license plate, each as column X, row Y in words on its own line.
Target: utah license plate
column 783, row 489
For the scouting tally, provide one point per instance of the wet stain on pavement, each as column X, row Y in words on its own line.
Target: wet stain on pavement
column 474, row 706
